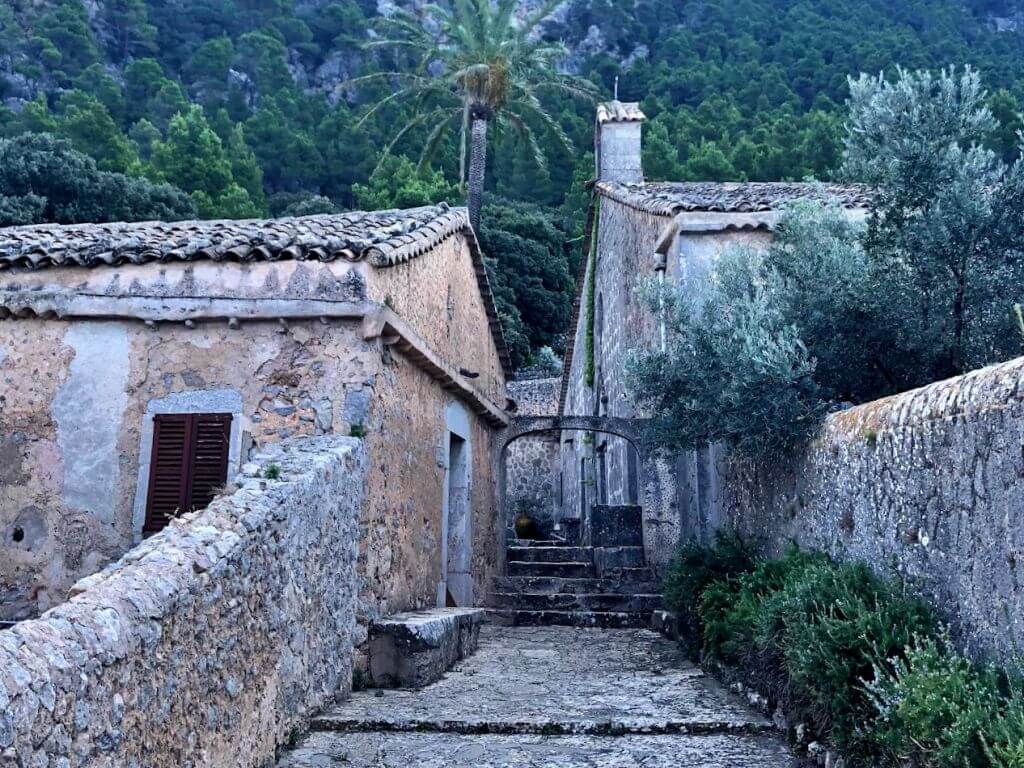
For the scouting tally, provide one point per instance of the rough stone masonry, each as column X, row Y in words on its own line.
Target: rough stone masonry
column 927, row 485
column 210, row 643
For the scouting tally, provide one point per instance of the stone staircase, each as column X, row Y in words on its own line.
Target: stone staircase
column 556, row 583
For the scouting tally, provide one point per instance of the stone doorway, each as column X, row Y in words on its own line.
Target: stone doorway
column 456, row 587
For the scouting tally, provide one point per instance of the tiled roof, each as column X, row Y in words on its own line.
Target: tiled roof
column 619, row 112
column 670, row 198
column 383, row 238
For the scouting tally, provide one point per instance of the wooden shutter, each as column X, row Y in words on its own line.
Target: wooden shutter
column 189, row 462
column 211, row 434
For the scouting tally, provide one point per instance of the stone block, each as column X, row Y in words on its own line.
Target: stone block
column 616, row 526
column 411, row 650
column 612, row 558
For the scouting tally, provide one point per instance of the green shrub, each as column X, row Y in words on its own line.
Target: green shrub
column 696, row 566
column 1004, row 739
column 730, row 616
column 933, row 707
column 847, row 652
column 831, row 627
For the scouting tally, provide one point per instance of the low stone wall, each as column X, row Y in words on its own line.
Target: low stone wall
column 210, row 643
column 928, row 484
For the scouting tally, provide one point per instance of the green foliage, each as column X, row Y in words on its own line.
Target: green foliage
column 864, row 664
column 546, row 359
column 744, row 89
column 396, row 183
column 475, row 61
column 696, row 567
column 935, row 708
column 830, row 628
column 272, row 471
column 1004, row 740
column 194, row 159
column 44, row 179
column 529, row 272
column 944, row 239
column 835, row 313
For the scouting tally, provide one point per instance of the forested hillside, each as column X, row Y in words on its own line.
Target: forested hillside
column 245, row 107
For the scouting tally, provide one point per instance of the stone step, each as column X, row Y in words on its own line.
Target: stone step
column 551, row 554
column 611, row 558
column 539, row 543
column 629, row 574
column 576, row 570
column 554, row 585
column 411, row 650
column 411, row 749
column 594, row 619
column 618, row 603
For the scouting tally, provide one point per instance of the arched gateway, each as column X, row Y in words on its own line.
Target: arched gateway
column 651, row 493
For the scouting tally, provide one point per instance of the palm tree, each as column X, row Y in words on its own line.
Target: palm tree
column 479, row 66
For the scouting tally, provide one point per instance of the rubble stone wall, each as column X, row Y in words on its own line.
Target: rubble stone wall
column 927, row 485
column 531, row 462
column 438, row 294
column 75, row 401
column 208, row 644
column 401, row 529
column 626, row 245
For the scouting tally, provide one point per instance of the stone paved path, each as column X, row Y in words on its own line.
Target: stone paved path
column 550, row 697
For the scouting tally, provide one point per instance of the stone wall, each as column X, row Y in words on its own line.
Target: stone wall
column 598, row 468
column 297, row 354
column 402, row 529
column 78, row 398
column 209, row 643
column 927, row 485
column 532, row 482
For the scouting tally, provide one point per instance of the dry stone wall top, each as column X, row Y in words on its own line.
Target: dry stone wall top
column 927, row 485
column 211, row 642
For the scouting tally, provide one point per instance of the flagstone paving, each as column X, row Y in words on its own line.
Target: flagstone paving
column 550, row 697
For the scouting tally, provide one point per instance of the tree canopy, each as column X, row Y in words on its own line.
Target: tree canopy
column 734, row 89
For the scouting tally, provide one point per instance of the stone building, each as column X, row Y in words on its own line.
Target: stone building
column 532, row 480
column 656, row 231
column 141, row 364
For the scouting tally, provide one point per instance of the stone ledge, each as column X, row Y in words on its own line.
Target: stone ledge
column 411, row 650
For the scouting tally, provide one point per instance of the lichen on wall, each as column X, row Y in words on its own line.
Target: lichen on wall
column 927, row 486
column 208, row 644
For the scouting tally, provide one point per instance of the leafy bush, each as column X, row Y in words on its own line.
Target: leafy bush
column 847, row 652
column 733, row 615
column 1004, row 741
column 695, row 569
column 696, row 566
column 833, row 312
column 934, row 708
column 830, row 627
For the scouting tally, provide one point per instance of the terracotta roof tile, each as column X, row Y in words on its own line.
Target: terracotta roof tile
column 670, row 198
column 619, row 112
column 350, row 236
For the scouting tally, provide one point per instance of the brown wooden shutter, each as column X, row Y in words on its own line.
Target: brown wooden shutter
column 189, row 462
column 211, row 434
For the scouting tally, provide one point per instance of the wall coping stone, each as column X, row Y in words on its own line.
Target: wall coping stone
column 155, row 660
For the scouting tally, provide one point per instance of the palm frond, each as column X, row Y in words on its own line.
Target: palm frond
column 527, row 135
column 434, row 139
column 412, row 124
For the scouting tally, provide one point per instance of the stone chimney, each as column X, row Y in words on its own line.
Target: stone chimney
column 617, row 142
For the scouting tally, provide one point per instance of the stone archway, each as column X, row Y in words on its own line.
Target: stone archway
column 653, row 496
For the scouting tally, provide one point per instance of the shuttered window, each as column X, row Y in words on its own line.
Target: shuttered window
column 189, row 462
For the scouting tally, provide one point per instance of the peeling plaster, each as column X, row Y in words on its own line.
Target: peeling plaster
column 88, row 410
